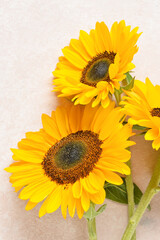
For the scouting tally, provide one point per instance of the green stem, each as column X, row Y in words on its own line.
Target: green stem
column 90, row 215
column 92, row 229
column 117, row 96
column 130, row 193
column 152, row 189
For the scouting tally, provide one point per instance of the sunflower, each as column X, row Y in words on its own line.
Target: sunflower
column 142, row 104
column 67, row 162
column 93, row 66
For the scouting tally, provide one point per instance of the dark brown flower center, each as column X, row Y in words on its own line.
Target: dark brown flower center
column 73, row 157
column 97, row 69
column 155, row 112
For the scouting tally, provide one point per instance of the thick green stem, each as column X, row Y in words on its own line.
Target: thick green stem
column 152, row 189
column 92, row 229
column 129, row 181
column 130, row 193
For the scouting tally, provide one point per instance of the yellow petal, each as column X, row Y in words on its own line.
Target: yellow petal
column 88, row 43
column 50, row 127
column 119, row 154
column 87, row 118
column 75, row 118
column 55, row 199
column 28, row 156
column 23, row 167
column 100, row 116
column 26, row 181
column 113, row 166
column 105, row 102
column 35, row 136
column 99, row 197
column 30, row 189
column 97, row 100
column 152, row 134
column 85, row 201
column 152, row 95
column 113, row 70
column 106, row 38
column 43, row 209
column 27, row 144
column 21, row 175
column 88, row 187
column 18, row 188
column 93, row 180
column 74, row 58
column 98, row 176
column 30, row 205
column 79, row 208
column 64, row 202
column 112, row 177
column 156, row 143
column 77, row 189
column 71, row 204
column 61, row 119
column 78, row 46
column 43, row 191
column 100, row 47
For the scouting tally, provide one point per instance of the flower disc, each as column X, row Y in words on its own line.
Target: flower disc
column 98, row 69
column 73, row 157
column 155, row 112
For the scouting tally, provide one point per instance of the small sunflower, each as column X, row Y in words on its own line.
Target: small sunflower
column 93, row 66
column 67, row 162
column 142, row 104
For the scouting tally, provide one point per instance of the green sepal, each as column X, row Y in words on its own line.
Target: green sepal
column 129, row 86
column 137, row 127
column 128, row 83
column 128, row 78
column 92, row 213
column 101, row 209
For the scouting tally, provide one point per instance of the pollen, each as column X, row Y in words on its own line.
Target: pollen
column 73, row 157
column 155, row 112
column 97, row 69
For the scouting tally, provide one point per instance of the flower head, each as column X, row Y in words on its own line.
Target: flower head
column 67, row 162
column 93, row 66
column 142, row 104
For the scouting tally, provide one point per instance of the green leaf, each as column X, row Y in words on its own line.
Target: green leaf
column 137, row 194
column 119, row 193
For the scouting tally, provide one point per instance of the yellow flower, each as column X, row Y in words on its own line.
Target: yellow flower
column 143, row 106
column 93, row 66
column 67, row 162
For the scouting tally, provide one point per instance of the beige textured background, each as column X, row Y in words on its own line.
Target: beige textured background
column 32, row 33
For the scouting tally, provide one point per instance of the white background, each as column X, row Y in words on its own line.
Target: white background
column 32, row 34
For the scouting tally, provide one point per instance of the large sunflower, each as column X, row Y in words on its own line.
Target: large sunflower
column 95, row 64
column 142, row 104
column 67, row 162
